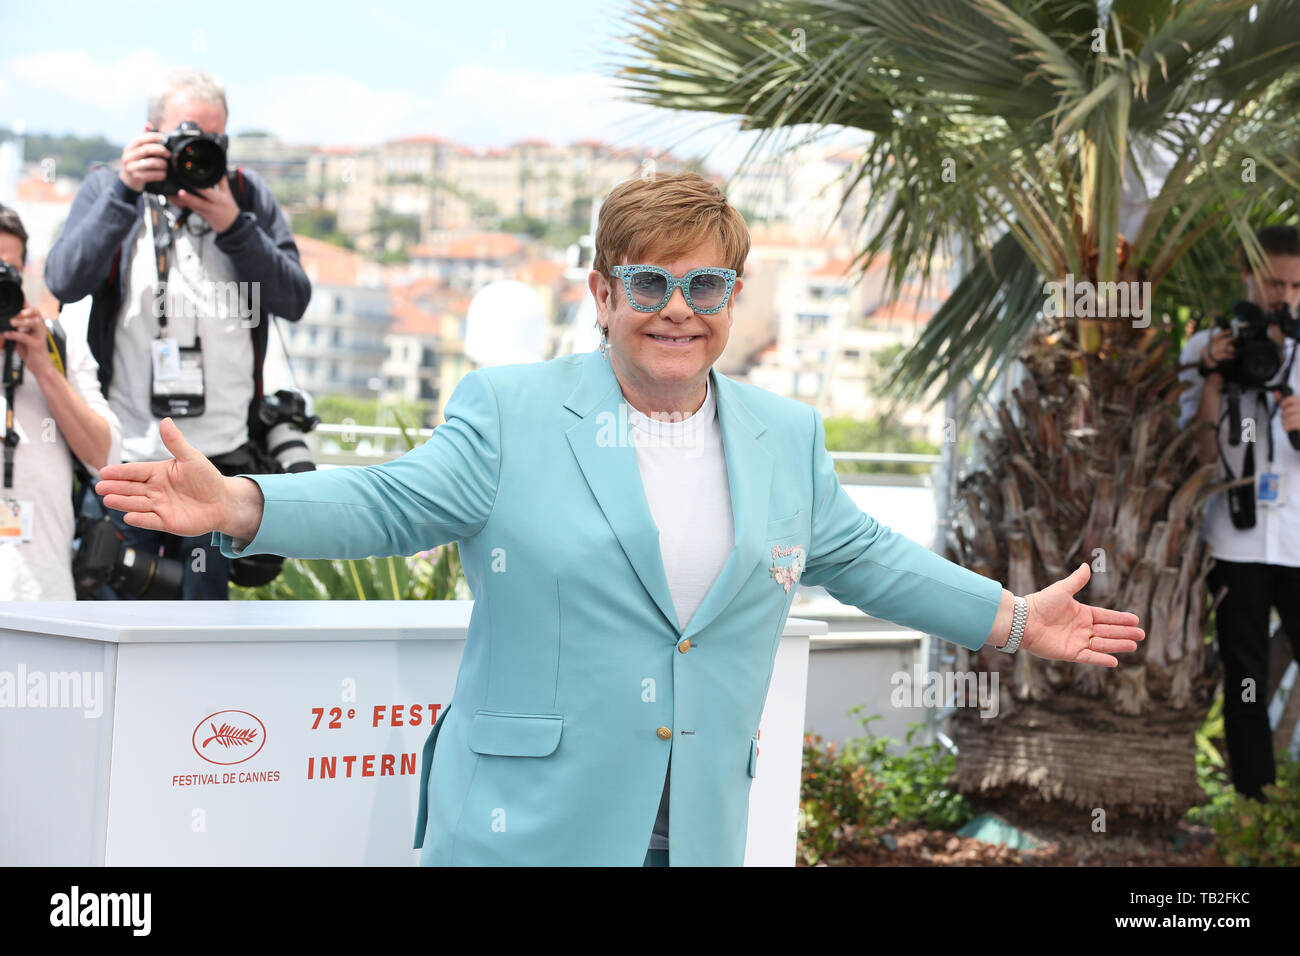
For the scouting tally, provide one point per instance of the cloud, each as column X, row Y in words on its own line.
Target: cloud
column 78, row 78
column 319, row 108
column 475, row 105
column 488, row 103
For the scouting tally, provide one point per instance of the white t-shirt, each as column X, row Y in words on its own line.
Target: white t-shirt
column 41, row 569
column 227, row 343
column 1275, row 539
column 684, row 474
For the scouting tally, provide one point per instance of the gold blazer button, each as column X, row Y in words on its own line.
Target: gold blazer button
column 684, row 646
column 664, row 733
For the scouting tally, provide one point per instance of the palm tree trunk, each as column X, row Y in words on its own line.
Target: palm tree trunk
column 1073, row 471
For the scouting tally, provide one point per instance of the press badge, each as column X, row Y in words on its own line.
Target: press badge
column 1271, row 490
column 182, row 395
column 166, row 359
column 16, row 519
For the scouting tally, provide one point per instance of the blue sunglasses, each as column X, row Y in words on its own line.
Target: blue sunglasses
column 649, row 288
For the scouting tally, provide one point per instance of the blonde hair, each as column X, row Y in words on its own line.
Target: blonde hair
column 668, row 215
column 196, row 84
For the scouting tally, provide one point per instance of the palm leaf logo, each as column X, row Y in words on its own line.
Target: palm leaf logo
column 230, row 736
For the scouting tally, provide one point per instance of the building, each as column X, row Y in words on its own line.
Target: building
column 429, row 185
column 339, row 345
column 833, row 327
column 281, row 165
column 469, row 261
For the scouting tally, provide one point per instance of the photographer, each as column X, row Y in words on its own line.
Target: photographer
column 52, row 410
column 183, row 280
column 1242, row 381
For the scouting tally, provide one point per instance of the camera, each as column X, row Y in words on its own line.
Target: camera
column 11, row 295
column 283, row 419
column 197, row 160
column 1257, row 358
column 103, row 557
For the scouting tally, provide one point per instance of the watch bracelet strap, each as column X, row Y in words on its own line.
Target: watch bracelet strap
column 1019, row 617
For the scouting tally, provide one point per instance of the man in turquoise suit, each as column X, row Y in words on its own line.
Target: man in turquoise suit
column 632, row 525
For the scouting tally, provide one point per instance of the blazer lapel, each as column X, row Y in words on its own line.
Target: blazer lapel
column 601, row 443
column 749, row 475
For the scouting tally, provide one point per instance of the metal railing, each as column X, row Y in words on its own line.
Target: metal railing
column 390, row 444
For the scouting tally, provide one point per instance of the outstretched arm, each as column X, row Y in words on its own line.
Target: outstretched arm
column 439, row 492
column 865, row 564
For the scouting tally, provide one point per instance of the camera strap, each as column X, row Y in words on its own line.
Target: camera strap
column 13, row 372
column 57, row 345
column 1286, row 380
column 162, row 242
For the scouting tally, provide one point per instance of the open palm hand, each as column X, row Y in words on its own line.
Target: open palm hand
column 183, row 495
column 1060, row 628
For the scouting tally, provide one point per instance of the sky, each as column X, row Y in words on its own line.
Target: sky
column 482, row 73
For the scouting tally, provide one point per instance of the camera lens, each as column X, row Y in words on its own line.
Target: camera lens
column 1259, row 361
column 199, row 163
column 11, row 293
column 147, row 576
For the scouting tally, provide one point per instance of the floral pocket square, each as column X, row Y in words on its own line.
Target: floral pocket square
column 787, row 575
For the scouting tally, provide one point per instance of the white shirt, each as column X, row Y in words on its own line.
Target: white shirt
column 41, row 569
column 194, row 261
column 684, row 474
column 1275, row 539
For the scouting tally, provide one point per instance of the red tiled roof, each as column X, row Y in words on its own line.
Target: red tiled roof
column 779, row 235
column 478, row 245
column 38, row 190
column 426, row 139
column 410, row 319
column 902, row 311
column 326, row 263
column 835, row 269
column 541, row 271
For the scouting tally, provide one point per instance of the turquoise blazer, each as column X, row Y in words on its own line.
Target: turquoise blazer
column 577, row 683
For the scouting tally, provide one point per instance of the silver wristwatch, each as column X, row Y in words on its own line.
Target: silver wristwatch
column 1019, row 615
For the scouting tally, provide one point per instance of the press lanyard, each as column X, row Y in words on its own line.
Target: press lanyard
column 162, row 240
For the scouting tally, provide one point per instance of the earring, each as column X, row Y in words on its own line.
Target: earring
column 604, row 341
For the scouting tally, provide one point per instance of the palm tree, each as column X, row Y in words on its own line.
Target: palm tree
column 1042, row 141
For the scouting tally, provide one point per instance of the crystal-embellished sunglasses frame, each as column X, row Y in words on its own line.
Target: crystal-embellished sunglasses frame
column 623, row 272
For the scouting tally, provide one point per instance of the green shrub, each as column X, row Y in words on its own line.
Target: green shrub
column 429, row 576
column 1247, row 832
column 865, row 785
column 1264, row 833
